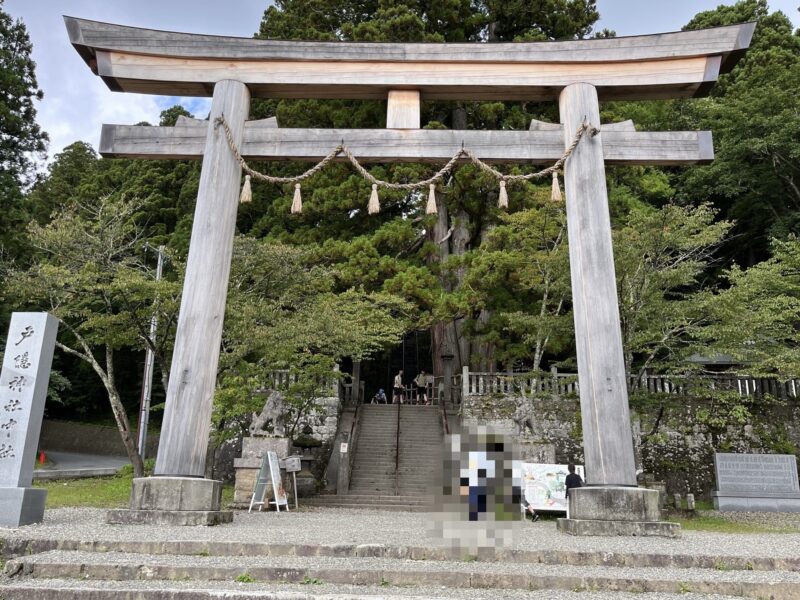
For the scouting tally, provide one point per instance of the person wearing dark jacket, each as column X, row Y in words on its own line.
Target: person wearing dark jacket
column 573, row 480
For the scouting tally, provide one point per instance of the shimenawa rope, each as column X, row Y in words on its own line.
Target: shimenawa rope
column 374, row 205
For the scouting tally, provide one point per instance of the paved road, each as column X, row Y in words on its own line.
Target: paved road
column 69, row 465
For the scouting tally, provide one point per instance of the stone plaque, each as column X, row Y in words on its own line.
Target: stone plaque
column 23, row 389
column 756, row 473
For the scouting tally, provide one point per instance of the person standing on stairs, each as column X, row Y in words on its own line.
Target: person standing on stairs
column 421, row 382
column 397, row 389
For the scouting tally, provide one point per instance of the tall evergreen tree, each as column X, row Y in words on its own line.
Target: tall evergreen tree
column 402, row 250
column 21, row 139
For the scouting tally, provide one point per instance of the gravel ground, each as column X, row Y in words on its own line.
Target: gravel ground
column 346, row 592
column 336, row 526
column 417, row 566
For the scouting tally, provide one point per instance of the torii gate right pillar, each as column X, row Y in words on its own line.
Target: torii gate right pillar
column 611, row 503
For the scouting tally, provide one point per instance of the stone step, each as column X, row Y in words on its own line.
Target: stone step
column 390, row 506
column 369, row 501
column 65, row 589
column 33, row 545
column 388, row 572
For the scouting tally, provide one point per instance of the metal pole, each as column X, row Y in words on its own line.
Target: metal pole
column 147, row 379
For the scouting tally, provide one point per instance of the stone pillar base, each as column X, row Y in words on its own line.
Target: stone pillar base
column 633, row 528
column 188, row 518
column 616, row 511
column 173, row 501
column 21, row 506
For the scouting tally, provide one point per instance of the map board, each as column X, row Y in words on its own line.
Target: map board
column 543, row 485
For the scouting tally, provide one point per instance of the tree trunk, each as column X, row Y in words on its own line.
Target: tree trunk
column 460, row 242
column 109, row 381
column 123, row 425
column 438, row 235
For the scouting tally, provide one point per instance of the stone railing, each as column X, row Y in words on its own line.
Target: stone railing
column 281, row 379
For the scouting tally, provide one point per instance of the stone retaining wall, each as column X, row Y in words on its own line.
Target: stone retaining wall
column 675, row 437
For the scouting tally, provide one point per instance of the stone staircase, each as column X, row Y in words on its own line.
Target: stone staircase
column 420, row 450
column 387, row 474
column 64, row 569
column 376, row 451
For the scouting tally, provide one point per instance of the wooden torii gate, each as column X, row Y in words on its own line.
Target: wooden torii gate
column 578, row 74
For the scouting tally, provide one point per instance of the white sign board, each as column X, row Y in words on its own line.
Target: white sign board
column 543, row 485
column 277, row 481
column 23, row 389
column 292, row 464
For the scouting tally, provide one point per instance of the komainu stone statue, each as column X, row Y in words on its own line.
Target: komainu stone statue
column 273, row 413
column 523, row 416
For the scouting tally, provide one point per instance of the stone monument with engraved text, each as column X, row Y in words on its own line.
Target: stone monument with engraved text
column 23, row 389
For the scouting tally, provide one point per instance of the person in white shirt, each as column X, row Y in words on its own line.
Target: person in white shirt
column 397, row 389
column 422, row 388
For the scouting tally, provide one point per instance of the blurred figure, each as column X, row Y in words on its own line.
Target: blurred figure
column 422, row 388
column 380, row 397
column 398, row 388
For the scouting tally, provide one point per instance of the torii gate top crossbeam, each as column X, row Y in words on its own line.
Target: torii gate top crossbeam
column 669, row 65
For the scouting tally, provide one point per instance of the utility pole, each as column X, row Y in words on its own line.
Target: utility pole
column 147, row 379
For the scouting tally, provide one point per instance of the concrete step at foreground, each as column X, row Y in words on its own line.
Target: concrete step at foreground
column 35, row 545
column 65, row 589
column 387, row 572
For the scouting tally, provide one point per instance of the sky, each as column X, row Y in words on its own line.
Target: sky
column 76, row 103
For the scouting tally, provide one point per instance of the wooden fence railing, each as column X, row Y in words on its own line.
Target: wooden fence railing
column 473, row 383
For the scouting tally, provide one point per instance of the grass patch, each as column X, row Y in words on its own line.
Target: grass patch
column 245, row 578
column 97, row 492
column 721, row 525
column 102, row 492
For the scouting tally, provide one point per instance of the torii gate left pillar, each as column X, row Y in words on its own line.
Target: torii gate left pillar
column 179, row 494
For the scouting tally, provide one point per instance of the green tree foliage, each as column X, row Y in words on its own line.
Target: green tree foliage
column 661, row 258
column 400, row 250
column 520, row 276
column 755, row 319
column 22, row 139
column 91, row 277
column 283, row 313
column 22, row 142
column 754, row 113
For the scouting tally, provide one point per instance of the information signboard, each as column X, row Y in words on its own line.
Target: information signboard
column 277, row 481
column 260, row 488
column 269, row 472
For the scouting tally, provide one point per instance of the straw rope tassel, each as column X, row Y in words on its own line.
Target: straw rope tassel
column 502, row 198
column 431, row 209
column 247, row 191
column 297, row 201
column 555, row 193
column 374, row 206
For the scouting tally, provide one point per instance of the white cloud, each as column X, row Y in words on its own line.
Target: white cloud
column 77, row 103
